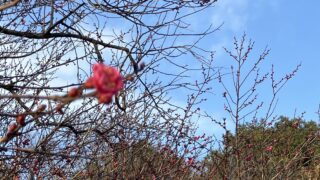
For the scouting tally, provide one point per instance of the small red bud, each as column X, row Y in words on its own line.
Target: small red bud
column 12, row 128
column 21, row 120
column 89, row 83
column 42, row 107
column 129, row 78
column 59, row 109
column 269, row 148
column 105, row 98
column 74, row 92
column 249, row 157
column 142, row 66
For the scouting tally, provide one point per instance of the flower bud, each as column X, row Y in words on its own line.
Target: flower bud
column 269, row 148
column 59, row 109
column 42, row 107
column 89, row 84
column 105, row 98
column 129, row 78
column 74, row 92
column 142, row 66
column 21, row 120
column 12, row 128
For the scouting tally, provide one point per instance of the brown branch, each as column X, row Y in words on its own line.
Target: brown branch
column 63, row 19
column 31, row 35
column 9, row 5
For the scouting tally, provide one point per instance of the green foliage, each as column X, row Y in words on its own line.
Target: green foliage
column 288, row 149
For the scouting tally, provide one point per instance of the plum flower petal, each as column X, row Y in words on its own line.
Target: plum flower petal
column 106, row 80
column 89, row 83
column 105, row 98
column 269, row 148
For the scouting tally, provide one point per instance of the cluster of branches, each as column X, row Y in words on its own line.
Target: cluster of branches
column 258, row 144
column 49, row 46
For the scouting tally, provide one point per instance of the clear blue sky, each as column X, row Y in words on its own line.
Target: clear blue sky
column 291, row 29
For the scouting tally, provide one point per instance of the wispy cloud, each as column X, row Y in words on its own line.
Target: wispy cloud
column 232, row 13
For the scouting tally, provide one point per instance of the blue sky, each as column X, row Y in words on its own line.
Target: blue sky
column 291, row 29
column 292, row 32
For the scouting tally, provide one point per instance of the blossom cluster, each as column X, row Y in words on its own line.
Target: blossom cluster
column 106, row 80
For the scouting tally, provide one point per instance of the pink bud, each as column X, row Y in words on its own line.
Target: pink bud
column 105, row 98
column 89, row 83
column 74, row 92
column 42, row 107
column 269, row 148
column 21, row 120
column 12, row 128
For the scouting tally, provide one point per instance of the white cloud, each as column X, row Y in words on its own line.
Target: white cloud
column 233, row 13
